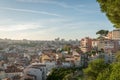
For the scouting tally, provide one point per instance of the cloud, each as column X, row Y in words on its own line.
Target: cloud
column 35, row 0
column 80, row 7
column 18, row 27
column 61, row 3
column 38, row 25
column 30, row 11
column 36, row 30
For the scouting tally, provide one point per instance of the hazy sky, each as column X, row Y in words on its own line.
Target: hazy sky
column 48, row 19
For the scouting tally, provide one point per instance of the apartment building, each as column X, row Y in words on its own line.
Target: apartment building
column 86, row 44
column 115, row 34
column 35, row 71
column 108, row 45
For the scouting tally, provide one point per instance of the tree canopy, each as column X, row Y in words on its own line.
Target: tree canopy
column 99, row 70
column 94, row 68
column 102, row 32
column 112, row 72
column 117, row 55
column 112, row 10
column 105, row 74
column 64, row 74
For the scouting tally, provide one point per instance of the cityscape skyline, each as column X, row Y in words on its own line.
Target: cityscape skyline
column 49, row 19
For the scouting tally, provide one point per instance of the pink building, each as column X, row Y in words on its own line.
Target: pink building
column 109, row 35
column 86, row 44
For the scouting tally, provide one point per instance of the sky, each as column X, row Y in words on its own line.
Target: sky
column 49, row 19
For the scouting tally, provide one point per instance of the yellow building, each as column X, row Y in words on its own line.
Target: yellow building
column 48, row 57
column 116, row 34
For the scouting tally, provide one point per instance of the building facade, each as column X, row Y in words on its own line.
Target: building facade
column 86, row 44
column 36, row 71
column 107, row 45
column 116, row 34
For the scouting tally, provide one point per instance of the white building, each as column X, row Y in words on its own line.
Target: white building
column 12, row 74
column 108, row 57
column 36, row 70
column 2, row 74
column 50, row 66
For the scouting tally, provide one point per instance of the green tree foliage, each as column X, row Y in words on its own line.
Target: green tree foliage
column 94, row 68
column 117, row 56
column 102, row 32
column 105, row 74
column 78, row 50
column 112, row 10
column 115, row 74
column 63, row 74
column 93, row 52
column 112, row 72
column 67, row 48
column 59, row 74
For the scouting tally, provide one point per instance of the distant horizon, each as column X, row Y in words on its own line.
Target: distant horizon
column 47, row 20
column 44, row 40
column 39, row 39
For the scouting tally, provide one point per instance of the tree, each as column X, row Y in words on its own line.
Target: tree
column 112, row 10
column 67, row 48
column 117, row 55
column 94, row 68
column 105, row 74
column 115, row 74
column 102, row 32
column 64, row 73
column 112, row 72
column 60, row 73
